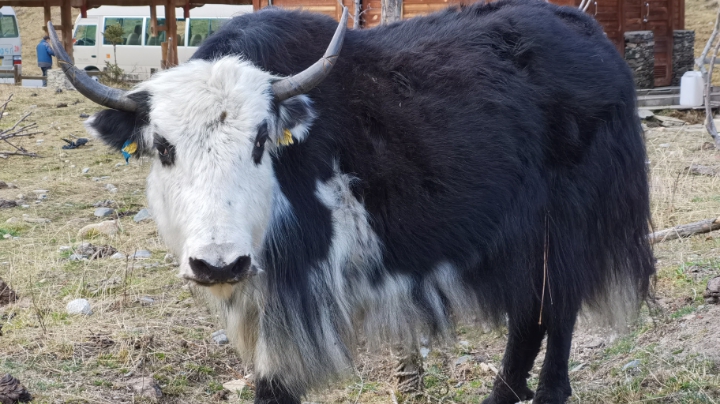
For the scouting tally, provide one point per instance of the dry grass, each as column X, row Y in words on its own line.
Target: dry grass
column 62, row 358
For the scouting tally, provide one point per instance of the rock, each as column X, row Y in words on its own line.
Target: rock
column 64, row 248
column 712, row 292
column 424, row 352
column 118, row 256
column 85, row 170
column 107, row 228
column 595, row 343
column 41, row 191
column 141, row 254
column 84, row 115
column 7, row 204
column 12, row 391
column 20, row 196
column 108, row 203
column 145, row 387
column 462, row 359
column 645, row 113
column 577, row 368
column 235, row 387
column 146, row 301
column 220, row 338
column 76, row 257
column 169, row 259
column 631, row 365
column 85, row 249
column 110, row 187
column 29, row 219
column 464, row 343
column 669, row 122
column 7, row 295
column 3, row 185
column 144, row 214
column 7, row 236
column 103, row 212
column 79, row 306
column 42, row 197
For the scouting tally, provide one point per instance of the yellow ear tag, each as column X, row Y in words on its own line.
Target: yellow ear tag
column 130, row 148
column 286, row 139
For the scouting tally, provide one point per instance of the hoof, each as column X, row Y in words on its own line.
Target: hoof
column 510, row 397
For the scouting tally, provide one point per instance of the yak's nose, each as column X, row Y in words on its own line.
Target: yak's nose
column 206, row 274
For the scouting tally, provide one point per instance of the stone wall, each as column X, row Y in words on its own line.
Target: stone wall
column 639, row 48
column 683, row 54
column 56, row 80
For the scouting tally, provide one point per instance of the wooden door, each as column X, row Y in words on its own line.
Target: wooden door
column 655, row 16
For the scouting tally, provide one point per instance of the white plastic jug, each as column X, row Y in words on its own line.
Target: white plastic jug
column 691, row 89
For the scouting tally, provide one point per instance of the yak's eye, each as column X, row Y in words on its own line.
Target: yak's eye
column 166, row 151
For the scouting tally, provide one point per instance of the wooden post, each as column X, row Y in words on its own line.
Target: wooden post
column 16, row 75
column 171, row 34
column 391, row 11
column 48, row 16
column 66, row 22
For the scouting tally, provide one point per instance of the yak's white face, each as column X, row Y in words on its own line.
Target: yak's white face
column 211, row 128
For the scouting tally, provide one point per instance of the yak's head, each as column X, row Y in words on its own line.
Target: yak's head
column 210, row 128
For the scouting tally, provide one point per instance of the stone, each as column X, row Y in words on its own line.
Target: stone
column 85, row 170
column 79, row 306
column 235, row 387
column 77, row 257
column 84, row 115
column 220, row 338
column 144, row 214
column 12, row 220
column 107, row 228
column 27, row 218
column 683, row 55
column 169, row 259
column 20, row 196
column 64, row 248
column 42, row 197
column 56, row 80
column 7, row 204
column 3, row 185
column 145, row 387
column 103, row 212
column 118, row 256
column 462, row 359
column 634, row 364
column 669, row 122
column 41, row 191
column 640, row 57
column 424, row 352
column 146, row 301
column 712, row 292
column 141, row 254
column 645, row 113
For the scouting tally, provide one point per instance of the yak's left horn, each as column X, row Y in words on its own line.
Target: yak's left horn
column 307, row 79
column 101, row 94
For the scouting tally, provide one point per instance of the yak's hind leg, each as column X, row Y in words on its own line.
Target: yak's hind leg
column 524, row 339
column 554, row 386
column 273, row 392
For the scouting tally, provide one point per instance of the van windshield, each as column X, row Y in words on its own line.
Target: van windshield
column 8, row 27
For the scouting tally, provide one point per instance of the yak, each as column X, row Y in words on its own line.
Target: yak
column 483, row 163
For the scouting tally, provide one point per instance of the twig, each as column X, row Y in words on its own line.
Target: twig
column 4, row 105
column 685, row 230
column 709, row 122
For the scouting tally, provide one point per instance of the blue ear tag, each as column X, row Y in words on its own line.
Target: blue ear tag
column 129, row 148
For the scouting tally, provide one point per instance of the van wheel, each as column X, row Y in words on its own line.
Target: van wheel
column 96, row 78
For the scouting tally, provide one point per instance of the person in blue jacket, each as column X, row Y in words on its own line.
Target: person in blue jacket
column 44, row 56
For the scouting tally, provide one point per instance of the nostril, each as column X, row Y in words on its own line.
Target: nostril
column 205, row 272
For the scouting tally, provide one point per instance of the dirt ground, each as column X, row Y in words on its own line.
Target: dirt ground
column 147, row 323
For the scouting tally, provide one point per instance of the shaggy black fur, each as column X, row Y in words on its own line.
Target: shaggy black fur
column 482, row 136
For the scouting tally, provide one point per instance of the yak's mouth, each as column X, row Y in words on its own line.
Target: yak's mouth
column 208, row 283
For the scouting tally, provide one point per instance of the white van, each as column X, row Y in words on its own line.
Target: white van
column 10, row 45
column 139, row 55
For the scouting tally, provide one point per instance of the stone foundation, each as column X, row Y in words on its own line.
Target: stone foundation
column 683, row 54
column 56, row 80
column 639, row 55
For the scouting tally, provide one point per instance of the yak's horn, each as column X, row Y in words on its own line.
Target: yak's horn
column 307, row 79
column 101, row 94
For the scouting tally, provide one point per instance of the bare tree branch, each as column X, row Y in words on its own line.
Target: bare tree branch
column 16, row 131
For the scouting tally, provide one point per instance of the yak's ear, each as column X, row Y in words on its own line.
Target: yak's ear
column 295, row 116
column 117, row 129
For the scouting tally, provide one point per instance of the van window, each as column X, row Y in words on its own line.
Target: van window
column 8, row 27
column 201, row 28
column 160, row 38
column 132, row 30
column 85, row 35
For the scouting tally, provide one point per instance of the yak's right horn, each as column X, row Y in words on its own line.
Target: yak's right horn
column 96, row 92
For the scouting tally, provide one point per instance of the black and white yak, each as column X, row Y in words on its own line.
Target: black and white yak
column 471, row 164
